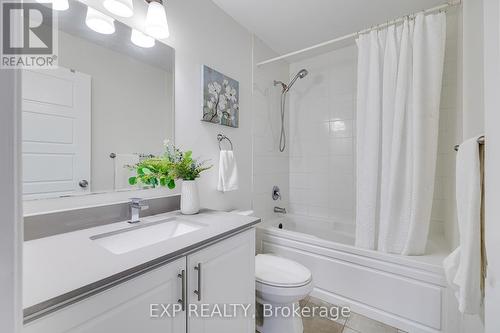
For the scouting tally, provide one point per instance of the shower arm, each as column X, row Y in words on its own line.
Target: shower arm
column 284, row 87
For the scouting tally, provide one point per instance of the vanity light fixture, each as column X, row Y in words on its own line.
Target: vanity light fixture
column 59, row 5
column 123, row 8
column 141, row 39
column 156, row 20
column 99, row 22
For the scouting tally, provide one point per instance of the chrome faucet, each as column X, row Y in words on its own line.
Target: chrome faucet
column 136, row 205
column 280, row 210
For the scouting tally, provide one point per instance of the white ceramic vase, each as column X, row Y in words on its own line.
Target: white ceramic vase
column 190, row 200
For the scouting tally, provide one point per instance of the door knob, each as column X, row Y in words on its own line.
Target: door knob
column 83, row 183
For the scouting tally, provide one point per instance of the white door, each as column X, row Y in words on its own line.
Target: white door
column 56, row 132
column 125, row 308
column 223, row 274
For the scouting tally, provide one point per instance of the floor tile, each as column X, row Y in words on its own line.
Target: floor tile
column 258, row 314
column 363, row 324
column 349, row 330
column 313, row 301
column 321, row 325
column 304, row 301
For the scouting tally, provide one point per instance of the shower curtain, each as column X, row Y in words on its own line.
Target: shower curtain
column 400, row 73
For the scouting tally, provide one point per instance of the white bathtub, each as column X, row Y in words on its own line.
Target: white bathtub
column 408, row 292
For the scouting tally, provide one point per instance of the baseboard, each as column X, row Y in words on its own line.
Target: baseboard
column 374, row 313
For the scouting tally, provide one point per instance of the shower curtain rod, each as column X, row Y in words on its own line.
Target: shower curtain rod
column 355, row 34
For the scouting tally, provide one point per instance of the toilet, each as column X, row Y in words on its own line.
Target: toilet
column 280, row 283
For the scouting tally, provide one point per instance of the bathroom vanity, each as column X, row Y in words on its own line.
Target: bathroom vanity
column 114, row 278
column 108, row 106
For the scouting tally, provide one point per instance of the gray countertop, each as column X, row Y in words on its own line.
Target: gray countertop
column 61, row 266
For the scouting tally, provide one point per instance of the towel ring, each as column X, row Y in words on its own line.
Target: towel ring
column 221, row 137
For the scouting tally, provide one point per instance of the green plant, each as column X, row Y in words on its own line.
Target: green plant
column 153, row 172
column 164, row 170
column 188, row 168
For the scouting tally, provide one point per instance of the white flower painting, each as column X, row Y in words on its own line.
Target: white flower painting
column 220, row 98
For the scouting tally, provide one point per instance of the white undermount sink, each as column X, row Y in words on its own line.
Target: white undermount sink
column 144, row 234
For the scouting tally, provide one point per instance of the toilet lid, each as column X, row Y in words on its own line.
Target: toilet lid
column 277, row 271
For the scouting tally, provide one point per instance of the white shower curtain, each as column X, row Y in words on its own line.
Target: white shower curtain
column 399, row 86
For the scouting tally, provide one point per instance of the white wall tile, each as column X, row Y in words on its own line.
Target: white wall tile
column 270, row 166
column 322, row 124
column 443, row 219
column 298, row 209
column 341, row 128
column 341, row 146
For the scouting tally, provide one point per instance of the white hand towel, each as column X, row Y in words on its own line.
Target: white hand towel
column 463, row 266
column 228, row 172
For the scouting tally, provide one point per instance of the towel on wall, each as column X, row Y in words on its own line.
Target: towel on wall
column 228, row 172
column 463, row 267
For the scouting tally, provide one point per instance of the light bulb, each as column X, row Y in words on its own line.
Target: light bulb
column 156, row 21
column 99, row 22
column 123, row 8
column 141, row 39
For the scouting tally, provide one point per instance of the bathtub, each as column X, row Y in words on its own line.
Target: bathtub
column 407, row 292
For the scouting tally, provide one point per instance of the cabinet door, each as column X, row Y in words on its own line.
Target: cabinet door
column 221, row 275
column 124, row 308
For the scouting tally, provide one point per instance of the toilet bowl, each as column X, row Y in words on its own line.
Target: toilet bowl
column 280, row 283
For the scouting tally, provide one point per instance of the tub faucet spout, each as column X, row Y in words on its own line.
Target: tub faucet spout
column 279, row 210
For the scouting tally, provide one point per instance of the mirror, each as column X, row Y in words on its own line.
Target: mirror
column 107, row 105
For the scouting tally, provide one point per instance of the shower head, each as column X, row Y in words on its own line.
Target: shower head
column 285, row 88
column 301, row 74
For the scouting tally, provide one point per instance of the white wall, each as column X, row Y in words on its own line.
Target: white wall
column 270, row 166
column 11, row 234
column 202, row 33
column 132, row 104
column 321, row 137
column 492, row 117
column 473, row 71
column 444, row 219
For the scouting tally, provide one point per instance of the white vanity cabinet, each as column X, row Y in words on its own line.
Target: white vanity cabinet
column 226, row 276
column 223, row 275
column 124, row 308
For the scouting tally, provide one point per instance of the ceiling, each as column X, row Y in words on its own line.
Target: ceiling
column 290, row 25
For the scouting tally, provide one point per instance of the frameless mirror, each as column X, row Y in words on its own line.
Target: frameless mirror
column 107, row 105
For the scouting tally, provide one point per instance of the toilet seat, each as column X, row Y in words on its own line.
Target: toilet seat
column 280, row 272
column 281, row 283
